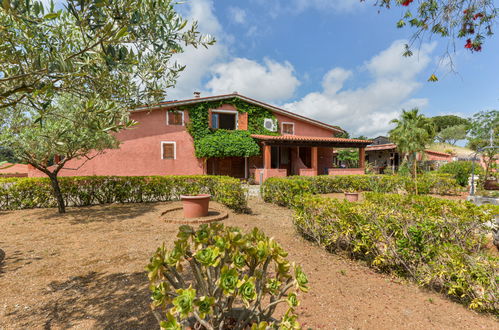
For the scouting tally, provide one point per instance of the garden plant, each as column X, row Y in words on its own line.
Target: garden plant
column 217, row 277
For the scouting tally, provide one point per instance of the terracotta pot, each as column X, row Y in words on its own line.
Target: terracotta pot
column 195, row 206
column 352, row 197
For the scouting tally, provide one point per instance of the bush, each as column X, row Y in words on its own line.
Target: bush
column 216, row 277
column 22, row 193
column 437, row 243
column 282, row 191
column 461, row 171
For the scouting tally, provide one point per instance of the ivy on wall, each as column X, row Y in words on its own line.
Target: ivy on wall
column 223, row 143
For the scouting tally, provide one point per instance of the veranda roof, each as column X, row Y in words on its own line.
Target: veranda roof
column 310, row 141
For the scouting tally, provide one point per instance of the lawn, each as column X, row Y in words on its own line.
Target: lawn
column 85, row 269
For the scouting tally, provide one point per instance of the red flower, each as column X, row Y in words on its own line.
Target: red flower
column 465, row 11
column 477, row 15
column 477, row 48
column 468, row 45
column 407, row 2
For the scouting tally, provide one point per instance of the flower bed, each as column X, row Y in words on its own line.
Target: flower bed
column 22, row 193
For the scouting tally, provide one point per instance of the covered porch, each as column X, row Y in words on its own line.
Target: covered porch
column 286, row 155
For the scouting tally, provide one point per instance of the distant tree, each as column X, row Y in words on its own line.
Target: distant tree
column 484, row 132
column 69, row 130
column 442, row 122
column 452, row 134
column 412, row 134
column 6, row 155
column 349, row 157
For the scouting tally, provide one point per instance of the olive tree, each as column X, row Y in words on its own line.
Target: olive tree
column 484, row 136
column 69, row 130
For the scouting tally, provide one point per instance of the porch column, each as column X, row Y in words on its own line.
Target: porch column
column 315, row 158
column 266, row 157
column 362, row 157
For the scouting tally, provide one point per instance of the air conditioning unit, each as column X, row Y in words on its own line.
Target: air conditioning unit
column 270, row 124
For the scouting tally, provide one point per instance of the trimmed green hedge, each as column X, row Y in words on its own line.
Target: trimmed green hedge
column 22, row 193
column 435, row 242
column 282, row 191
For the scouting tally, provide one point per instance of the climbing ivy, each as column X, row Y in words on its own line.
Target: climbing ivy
column 222, row 143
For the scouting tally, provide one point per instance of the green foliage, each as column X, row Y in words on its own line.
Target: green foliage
column 212, row 143
column 413, row 132
column 440, row 244
column 111, row 50
column 461, row 171
column 224, row 143
column 23, row 193
column 443, row 122
column 7, row 155
column 218, row 275
column 286, row 191
column 472, row 21
column 485, row 132
column 349, row 156
column 452, row 134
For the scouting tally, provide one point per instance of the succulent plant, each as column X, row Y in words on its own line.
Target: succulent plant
column 217, row 276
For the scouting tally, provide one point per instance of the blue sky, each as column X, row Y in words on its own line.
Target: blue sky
column 338, row 61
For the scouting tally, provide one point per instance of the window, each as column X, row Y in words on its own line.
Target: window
column 175, row 117
column 288, row 128
column 224, row 119
column 168, row 150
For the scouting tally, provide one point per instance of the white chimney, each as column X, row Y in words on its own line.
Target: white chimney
column 197, row 95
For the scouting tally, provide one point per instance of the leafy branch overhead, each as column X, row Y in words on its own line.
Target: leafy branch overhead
column 113, row 50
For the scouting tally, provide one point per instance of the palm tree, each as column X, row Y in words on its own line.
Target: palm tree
column 411, row 135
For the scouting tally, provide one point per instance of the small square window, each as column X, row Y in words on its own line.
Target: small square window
column 175, row 118
column 288, row 128
column 168, row 150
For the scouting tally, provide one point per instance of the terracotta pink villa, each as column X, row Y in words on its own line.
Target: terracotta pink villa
column 160, row 143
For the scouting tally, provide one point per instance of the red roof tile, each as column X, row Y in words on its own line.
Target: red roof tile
column 306, row 138
column 382, row 147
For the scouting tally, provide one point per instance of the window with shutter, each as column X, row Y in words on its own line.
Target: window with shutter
column 175, row 118
column 168, row 150
column 288, row 128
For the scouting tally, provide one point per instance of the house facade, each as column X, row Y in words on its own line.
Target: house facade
column 162, row 144
column 383, row 154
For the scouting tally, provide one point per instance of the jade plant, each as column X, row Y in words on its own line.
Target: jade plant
column 218, row 277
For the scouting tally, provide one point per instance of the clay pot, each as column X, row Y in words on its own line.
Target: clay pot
column 195, row 206
column 352, row 197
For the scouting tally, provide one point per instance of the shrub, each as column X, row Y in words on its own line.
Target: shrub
column 217, row 277
column 22, row 193
column 461, row 171
column 437, row 243
column 282, row 191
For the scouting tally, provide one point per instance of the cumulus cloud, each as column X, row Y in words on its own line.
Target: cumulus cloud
column 270, row 81
column 368, row 110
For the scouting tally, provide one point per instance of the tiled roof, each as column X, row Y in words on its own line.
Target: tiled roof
column 176, row 103
column 13, row 168
column 303, row 138
column 437, row 152
column 382, row 147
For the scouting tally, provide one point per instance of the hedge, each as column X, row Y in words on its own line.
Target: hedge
column 435, row 242
column 282, row 191
column 22, row 193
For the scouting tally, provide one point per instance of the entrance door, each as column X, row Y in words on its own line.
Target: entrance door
column 230, row 166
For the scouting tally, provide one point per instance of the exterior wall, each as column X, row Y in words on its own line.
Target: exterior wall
column 346, row 171
column 270, row 173
column 308, row 172
column 325, row 160
column 140, row 151
column 11, row 171
column 304, row 128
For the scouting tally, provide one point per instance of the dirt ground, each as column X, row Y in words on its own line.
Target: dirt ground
column 85, row 270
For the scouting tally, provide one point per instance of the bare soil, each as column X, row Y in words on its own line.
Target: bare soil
column 85, row 270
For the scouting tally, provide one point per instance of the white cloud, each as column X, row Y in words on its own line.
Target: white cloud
column 237, row 15
column 368, row 110
column 271, row 81
column 337, row 5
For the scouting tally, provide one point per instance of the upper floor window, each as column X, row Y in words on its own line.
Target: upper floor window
column 168, row 150
column 288, row 128
column 224, row 119
column 175, row 117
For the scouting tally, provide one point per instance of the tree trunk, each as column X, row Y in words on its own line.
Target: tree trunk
column 57, row 192
column 415, row 166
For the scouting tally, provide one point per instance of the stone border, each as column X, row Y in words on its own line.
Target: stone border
column 184, row 221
